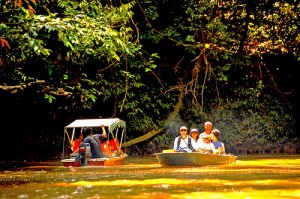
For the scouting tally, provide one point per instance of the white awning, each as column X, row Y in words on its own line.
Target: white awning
column 96, row 123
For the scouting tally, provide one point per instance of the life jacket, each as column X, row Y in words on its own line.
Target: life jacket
column 189, row 143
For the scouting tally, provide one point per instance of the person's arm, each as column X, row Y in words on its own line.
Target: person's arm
column 222, row 149
column 195, row 145
column 103, row 135
column 175, row 144
column 104, row 131
column 200, row 144
column 99, row 136
column 214, row 150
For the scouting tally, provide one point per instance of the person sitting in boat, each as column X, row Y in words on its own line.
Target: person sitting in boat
column 194, row 133
column 98, row 137
column 207, row 130
column 94, row 141
column 206, row 146
column 76, row 143
column 184, row 142
column 219, row 146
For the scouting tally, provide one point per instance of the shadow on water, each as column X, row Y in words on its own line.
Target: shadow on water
column 253, row 176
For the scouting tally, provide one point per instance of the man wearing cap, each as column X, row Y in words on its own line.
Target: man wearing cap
column 184, row 142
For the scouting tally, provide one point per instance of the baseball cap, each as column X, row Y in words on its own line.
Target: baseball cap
column 183, row 127
column 194, row 130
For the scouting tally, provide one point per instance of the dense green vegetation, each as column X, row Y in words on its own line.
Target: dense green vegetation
column 155, row 64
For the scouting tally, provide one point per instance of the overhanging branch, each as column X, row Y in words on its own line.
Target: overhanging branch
column 166, row 124
column 45, row 89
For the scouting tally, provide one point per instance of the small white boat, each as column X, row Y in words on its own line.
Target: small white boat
column 170, row 158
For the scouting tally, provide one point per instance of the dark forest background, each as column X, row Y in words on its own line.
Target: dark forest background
column 156, row 65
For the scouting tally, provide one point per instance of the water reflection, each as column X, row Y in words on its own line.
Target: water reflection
column 274, row 176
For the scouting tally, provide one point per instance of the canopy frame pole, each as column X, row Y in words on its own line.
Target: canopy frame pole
column 121, row 140
column 63, row 153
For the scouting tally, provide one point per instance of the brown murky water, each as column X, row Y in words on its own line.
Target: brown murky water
column 253, row 176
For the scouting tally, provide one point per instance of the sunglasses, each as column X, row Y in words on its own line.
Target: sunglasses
column 183, row 130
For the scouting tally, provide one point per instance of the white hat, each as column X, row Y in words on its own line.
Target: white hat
column 205, row 136
column 207, row 123
column 183, row 127
column 194, row 130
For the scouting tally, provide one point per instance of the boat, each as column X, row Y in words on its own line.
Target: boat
column 171, row 158
column 111, row 147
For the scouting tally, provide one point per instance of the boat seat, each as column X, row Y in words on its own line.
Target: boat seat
column 114, row 144
column 76, row 144
column 105, row 147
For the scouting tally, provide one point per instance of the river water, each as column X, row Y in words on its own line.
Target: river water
column 253, row 176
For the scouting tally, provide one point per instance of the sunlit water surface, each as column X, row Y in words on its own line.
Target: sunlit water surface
column 253, row 176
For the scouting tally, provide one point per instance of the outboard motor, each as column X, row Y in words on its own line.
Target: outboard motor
column 85, row 153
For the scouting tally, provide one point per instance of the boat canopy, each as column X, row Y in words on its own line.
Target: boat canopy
column 114, row 125
column 111, row 123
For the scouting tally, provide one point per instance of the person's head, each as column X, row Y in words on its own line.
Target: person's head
column 208, row 127
column 216, row 134
column 87, row 131
column 206, row 139
column 194, row 133
column 183, row 131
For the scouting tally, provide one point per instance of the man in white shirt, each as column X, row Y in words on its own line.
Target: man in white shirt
column 207, row 130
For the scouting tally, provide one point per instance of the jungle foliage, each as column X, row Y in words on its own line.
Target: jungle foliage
column 155, row 64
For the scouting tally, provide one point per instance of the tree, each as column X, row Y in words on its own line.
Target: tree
column 148, row 62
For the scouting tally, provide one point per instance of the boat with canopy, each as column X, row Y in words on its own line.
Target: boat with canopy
column 111, row 147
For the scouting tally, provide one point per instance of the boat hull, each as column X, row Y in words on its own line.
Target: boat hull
column 114, row 161
column 95, row 162
column 193, row 159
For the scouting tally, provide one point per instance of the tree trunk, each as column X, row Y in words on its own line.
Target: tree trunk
column 152, row 133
